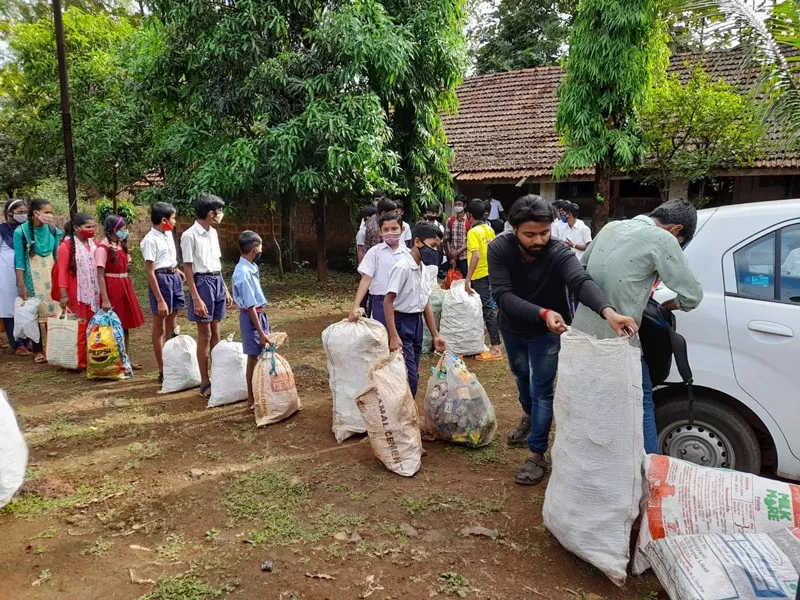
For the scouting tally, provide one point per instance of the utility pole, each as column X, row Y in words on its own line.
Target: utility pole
column 66, row 114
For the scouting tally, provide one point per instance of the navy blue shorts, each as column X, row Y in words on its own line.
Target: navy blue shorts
column 251, row 344
column 211, row 289
column 171, row 286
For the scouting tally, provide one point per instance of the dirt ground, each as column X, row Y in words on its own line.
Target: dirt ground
column 131, row 494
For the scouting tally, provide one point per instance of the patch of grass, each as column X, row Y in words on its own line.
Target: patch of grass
column 281, row 528
column 436, row 502
column 290, row 426
column 172, row 547
column 453, row 584
column 33, row 505
column 100, row 547
column 357, row 495
column 185, row 586
column 329, row 522
column 44, row 577
column 40, row 549
column 260, row 494
column 338, row 487
column 145, row 451
column 47, row 534
column 255, row 457
column 487, row 455
column 212, row 534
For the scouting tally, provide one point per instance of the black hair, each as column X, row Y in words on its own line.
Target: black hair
column 247, row 241
column 36, row 204
column 111, row 225
column 78, row 219
column 572, row 209
column 434, row 208
column 385, row 205
column 398, row 204
column 425, row 231
column 678, row 212
column 205, row 203
column 368, row 211
column 476, row 208
column 378, row 195
column 389, row 216
column 460, row 198
column 487, row 206
column 161, row 211
column 488, row 188
column 7, row 207
column 531, row 208
column 498, row 226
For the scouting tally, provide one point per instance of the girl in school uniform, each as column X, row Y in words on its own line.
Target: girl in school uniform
column 116, row 288
column 15, row 213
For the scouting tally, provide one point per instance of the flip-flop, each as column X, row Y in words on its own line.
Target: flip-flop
column 136, row 366
column 487, row 357
column 40, row 359
column 22, row 351
column 205, row 391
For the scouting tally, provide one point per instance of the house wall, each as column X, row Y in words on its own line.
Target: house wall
column 764, row 188
column 507, row 193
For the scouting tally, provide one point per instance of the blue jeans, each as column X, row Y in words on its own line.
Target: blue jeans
column 650, row 431
column 409, row 328
column 534, row 363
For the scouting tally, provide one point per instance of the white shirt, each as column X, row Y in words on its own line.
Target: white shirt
column 408, row 281
column 158, row 247
column 495, row 210
column 791, row 266
column 558, row 230
column 406, row 237
column 578, row 234
column 200, row 247
column 377, row 264
column 361, row 236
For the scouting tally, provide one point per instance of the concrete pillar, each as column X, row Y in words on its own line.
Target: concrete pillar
column 548, row 190
column 678, row 188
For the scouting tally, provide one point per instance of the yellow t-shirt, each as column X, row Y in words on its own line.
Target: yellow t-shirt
column 478, row 238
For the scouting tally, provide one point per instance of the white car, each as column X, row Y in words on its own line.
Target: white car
column 744, row 343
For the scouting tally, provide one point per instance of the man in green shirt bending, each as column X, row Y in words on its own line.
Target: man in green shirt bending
column 625, row 260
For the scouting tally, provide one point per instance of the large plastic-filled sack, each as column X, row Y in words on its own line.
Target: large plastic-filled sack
column 457, row 408
column 181, row 370
column 436, row 297
column 228, row 373
column 593, row 495
column 462, row 321
column 390, row 414
column 352, row 348
column 13, row 452
column 687, row 499
column 105, row 348
column 274, row 388
column 26, row 319
column 728, row 566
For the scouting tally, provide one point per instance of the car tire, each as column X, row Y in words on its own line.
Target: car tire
column 716, row 427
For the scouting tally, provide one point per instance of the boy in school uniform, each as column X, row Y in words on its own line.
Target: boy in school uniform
column 377, row 265
column 165, row 278
column 208, row 294
column 249, row 297
column 406, row 301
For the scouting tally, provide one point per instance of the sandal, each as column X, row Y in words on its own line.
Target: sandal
column 4, row 344
column 135, row 366
column 22, row 351
column 531, row 473
column 519, row 435
column 487, row 357
column 40, row 358
column 205, row 391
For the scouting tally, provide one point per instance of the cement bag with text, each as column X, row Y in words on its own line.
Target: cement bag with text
column 181, row 370
column 274, row 389
column 390, row 414
column 228, row 373
column 352, row 348
column 728, row 566
column 687, row 499
column 593, row 495
column 13, row 452
column 436, row 297
column 26, row 319
column 462, row 321
column 457, row 408
column 105, row 348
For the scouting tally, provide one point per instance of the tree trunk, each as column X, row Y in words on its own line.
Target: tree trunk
column 288, row 246
column 322, row 258
column 602, row 188
column 277, row 244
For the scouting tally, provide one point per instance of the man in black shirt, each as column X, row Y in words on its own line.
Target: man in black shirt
column 531, row 275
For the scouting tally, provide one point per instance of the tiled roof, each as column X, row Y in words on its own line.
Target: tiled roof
column 505, row 125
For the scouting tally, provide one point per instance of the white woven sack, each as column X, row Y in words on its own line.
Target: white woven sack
column 435, row 298
column 228, row 373
column 462, row 321
column 13, row 452
column 62, row 341
column 181, row 371
column 26, row 319
column 593, row 495
column 352, row 348
column 391, row 416
column 274, row 389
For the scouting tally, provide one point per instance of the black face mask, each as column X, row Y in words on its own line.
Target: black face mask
column 430, row 218
column 430, row 256
column 257, row 258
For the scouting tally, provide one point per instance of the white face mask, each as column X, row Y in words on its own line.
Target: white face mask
column 23, row 218
column 218, row 217
column 459, row 209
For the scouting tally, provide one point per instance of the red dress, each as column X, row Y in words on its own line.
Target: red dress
column 119, row 286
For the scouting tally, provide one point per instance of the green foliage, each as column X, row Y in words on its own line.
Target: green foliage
column 55, row 190
column 524, row 33
column 185, row 586
column 125, row 209
column 692, row 128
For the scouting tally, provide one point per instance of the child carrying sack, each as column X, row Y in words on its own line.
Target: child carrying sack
column 436, row 297
column 274, row 388
column 457, row 408
column 592, row 498
column 13, row 452
column 26, row 319
column 462, row 321
column 64, row 341
column 181, row 371
column 228, row 373
column 390, row 413
column 105, row 348
column 352, row 348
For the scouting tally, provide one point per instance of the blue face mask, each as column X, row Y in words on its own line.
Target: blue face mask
column 122, row 235
column 563, row 218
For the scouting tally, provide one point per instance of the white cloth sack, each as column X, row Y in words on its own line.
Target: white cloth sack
column 181, row 370
column 728, row 566
column 687, row 499
column 436, row 297
column 13, row 452
column 228, row 373
column 274, row 389
column 62, row 341
column 462, row 321
column 593, row 495
column 26, row 319
column 352, row 348
column 391, row 416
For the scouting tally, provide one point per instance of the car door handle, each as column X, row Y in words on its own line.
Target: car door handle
column 771, row 328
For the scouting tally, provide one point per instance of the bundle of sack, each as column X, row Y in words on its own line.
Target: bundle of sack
column 228, row 373
column 180, row 368
column 462, row 321
column 274, row 388
column 106, row 357
column 436, row 298
column 13, row 452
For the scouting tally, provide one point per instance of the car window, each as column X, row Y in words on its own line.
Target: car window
column 755, row 268
column 790, row 264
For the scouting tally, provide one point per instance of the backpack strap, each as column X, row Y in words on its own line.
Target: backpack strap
column 52, row 229
column 681, row 354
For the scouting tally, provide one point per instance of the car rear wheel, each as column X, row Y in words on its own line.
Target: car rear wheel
column 719, row 436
